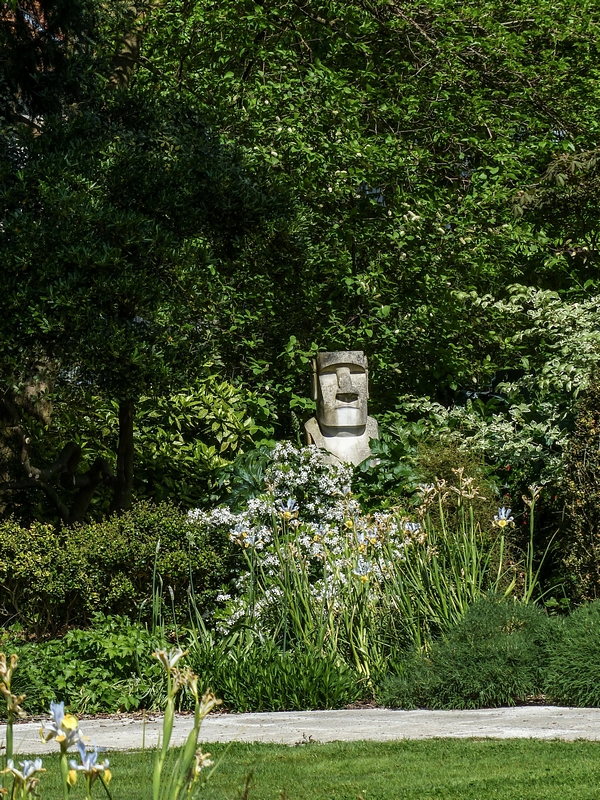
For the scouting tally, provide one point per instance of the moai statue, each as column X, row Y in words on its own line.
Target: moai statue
column 340, row 385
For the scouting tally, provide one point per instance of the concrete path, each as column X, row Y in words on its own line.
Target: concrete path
column 378, row 724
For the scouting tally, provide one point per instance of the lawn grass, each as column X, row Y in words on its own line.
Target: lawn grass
column 440, row 769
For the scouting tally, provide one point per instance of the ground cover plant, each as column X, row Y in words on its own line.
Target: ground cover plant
column 105, row 667
column 437, row 769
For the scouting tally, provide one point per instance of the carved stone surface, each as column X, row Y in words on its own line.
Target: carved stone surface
column 340, row 386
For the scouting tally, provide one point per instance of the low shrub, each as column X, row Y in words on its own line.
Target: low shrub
column 493, row 657
column 249, row 675
column 572, row 659
column 51, row 579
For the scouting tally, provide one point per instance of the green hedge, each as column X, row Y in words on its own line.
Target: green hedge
column 572, row 659
column 494, row 657
column 51, row 580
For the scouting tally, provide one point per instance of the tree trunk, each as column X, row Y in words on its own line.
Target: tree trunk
column 124, row 477
column 86, row 484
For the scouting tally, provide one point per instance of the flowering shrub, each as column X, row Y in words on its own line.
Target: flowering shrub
column 299, row 473
column 313, row 499
column 308, row 513
column 323, row 575
column 548, row 357
column 526, row 438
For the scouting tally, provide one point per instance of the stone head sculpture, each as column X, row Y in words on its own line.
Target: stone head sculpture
column 340, row 388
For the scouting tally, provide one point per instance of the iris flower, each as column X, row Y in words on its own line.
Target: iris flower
column 372, row 535
column 240, row 532
column 62, row 727
column 25, row 775
column 169, row 658
column 503, row 518
column 411, row 527
column 362, row 569
column 287, row 510
column 89, row 765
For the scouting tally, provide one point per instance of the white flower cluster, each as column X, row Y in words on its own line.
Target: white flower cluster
column 322, row 490
column 300, row 473
column 306, row 521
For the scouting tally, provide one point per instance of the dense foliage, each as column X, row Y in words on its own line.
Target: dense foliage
column 107, row 667
column 238, row 185
column 254, row 675
column 406, row 134
column 198, row 197
column 142, row 564
column 493, row 657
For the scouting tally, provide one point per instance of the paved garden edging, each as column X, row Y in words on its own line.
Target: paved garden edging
column 293, row 727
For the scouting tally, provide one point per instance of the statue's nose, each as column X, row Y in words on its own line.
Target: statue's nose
column 344, row 380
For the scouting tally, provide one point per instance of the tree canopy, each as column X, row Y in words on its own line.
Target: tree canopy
column 406, row 133
column 244, row 183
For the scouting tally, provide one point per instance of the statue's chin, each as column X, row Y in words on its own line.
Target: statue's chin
column 343, row 418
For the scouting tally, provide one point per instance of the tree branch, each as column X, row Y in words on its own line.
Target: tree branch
column 403, row 15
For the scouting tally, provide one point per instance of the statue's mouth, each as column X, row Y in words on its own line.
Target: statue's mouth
column 348, row 398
